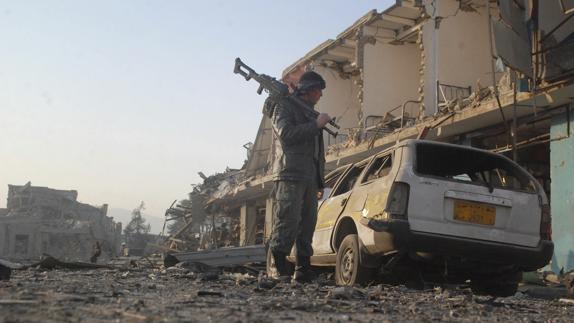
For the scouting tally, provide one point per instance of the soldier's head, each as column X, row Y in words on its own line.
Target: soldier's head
column 310, row 87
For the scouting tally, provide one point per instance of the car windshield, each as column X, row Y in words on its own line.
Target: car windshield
column 467, row 165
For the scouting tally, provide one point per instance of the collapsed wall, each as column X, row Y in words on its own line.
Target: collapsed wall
column 41, row 220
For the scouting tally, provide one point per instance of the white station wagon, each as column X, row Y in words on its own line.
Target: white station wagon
column 454, row 213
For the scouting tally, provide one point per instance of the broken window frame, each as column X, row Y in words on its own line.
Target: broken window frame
column 480, row 178
column 354, row 172
column 331, row 180
column 387, row 163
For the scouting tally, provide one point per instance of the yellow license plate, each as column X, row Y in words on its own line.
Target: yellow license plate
column 474, row 212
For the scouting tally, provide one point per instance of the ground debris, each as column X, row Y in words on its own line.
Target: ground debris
column 569, row 283
column 209, row 293
column 5, row 272
column 196, row 267
column 154, row 294
column 17, row 302
column 49, row 263
column 346, row 293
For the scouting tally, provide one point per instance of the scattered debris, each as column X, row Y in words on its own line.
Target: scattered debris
column 545, row 292
column 6, row 268
column 552, row 278
column 569, row 283
column 221, row 257
column 346, row 293
column 209, row 276
column 209, row 293
column 5, row 272
column 17, row 302
column 196, row 267
column 50, row 262
column 147, row 294
column 265, row 283
column 134, row 316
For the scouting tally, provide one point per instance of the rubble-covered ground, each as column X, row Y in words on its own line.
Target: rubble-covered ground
column 181, row 294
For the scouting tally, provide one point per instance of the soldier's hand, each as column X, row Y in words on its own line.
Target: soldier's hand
column 323, row 119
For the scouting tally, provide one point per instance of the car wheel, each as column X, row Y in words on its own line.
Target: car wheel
column 270, row 266
column 501, row 286
column 349, row 270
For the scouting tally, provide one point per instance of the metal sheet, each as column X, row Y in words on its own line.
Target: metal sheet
column 514, row 51
column 226, row 256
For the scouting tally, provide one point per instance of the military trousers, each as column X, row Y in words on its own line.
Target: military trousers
column 294, row 216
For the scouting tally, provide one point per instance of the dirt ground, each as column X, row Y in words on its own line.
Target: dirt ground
column 181, row 294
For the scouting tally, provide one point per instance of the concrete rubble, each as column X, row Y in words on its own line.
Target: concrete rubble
column 197, row 293
column 197, row 224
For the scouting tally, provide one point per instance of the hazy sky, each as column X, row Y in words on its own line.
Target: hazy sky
column 125, row 101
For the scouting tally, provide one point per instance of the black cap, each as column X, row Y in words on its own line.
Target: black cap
column 309, row 81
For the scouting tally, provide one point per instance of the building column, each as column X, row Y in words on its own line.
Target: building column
column 247, row 221
column 562, row 191
column 268, row 218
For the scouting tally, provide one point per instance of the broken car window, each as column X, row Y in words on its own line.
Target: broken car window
column 349, row 181
column 472, row 166
column 381, row 167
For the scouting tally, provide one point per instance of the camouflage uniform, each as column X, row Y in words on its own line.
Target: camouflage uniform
column 298, row 167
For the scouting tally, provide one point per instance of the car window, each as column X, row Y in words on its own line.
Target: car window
column 330, row 181
column 473, row 166
column 349, row 180
column 331, row 178
column 381, row 167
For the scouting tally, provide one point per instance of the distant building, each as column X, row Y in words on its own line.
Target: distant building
column 41, row 220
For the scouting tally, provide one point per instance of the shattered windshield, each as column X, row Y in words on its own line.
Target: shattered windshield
column 466, row 165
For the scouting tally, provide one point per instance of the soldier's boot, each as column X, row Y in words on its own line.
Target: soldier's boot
column 303, row 272
column 281, row 266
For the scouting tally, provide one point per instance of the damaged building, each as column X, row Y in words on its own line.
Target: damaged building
column 192, row 227
column 41, row 220
column 496, row 75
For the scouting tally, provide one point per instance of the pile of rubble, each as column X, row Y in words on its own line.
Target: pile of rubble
column 146, row 290
column 190, row 226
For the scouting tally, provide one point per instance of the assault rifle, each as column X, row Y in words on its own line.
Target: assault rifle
column 279, row 91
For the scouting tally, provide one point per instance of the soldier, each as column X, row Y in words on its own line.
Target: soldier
column 298, row 173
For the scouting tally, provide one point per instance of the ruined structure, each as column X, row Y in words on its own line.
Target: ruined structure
column 41, row 220
column 192, row 227
column 496, row 75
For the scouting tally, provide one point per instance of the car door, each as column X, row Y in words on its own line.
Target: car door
column 370, row 195
column 331, row 208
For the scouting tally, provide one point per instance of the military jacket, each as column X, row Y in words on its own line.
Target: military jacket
column 299, row 148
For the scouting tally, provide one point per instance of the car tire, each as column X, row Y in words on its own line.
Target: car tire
column 272, row 270
column 502, row 286
column 348, row 269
